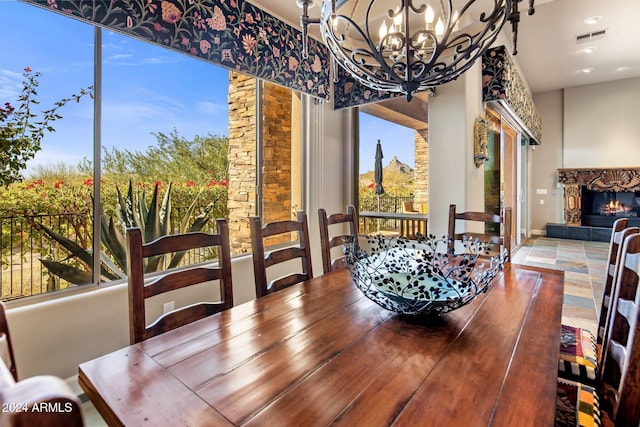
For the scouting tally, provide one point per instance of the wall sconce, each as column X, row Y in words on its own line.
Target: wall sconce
column 480, row 141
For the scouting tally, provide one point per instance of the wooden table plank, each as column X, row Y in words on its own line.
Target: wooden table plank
column 398, row 353
column 534, row 366
column 422, row 341
column 473, row 369
column 206, row 333
column 266, row 333
column 254, row 385
column 144, row 394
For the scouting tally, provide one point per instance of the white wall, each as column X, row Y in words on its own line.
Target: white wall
column 453, row 177
column 56, row 334
column 601, row 125
column 545, row 161
column 582, row 127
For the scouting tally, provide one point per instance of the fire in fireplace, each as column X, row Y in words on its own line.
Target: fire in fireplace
column 609, row 192
column 602, row 208
column 615, row 208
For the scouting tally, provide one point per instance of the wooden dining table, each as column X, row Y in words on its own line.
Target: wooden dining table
column 321, row 353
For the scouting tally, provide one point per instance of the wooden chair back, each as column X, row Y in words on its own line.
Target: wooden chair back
column 408, row 207
column 619, row 377
column 262, row 262
column 175, row 278
column 503, row 240
column 327, row 243
column 618, row 235
column 6, row 348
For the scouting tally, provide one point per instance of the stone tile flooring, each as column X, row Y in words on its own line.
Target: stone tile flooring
column 584, row 264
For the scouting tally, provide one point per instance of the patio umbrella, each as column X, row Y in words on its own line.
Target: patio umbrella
column 377, row 173
column 377, row 176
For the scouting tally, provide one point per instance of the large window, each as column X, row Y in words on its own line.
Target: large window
column 207, row 142
column 53, row 195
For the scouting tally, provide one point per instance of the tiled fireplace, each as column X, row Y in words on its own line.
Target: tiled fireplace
column 597, row 197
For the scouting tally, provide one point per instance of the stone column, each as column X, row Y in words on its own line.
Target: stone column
column 242, row 159
column 276, row 139
column 421, row 171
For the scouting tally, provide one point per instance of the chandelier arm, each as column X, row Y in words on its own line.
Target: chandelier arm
column 514, row 18
column 351, row 54
column 420, row 9
column 305, row 20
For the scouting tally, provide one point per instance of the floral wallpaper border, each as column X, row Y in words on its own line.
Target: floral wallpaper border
column 501, row 81
column 232, row 33
column 348, row 92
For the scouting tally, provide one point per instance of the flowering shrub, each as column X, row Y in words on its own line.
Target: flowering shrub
column 21, row 131
column 24, row 204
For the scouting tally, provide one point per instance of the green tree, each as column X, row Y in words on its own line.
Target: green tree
column 174, row 158
column 22, row 130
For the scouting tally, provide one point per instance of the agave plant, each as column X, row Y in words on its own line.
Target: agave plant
column 133, row 211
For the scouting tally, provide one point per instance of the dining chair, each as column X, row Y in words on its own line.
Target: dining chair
column 409, row 208
column 261, row 262
column 140, row 254
column 615, row 395
column 327, row 243
column 502, row 240
column 38, row 401
column 22, row 400
column 6, row 348
column 581, row 349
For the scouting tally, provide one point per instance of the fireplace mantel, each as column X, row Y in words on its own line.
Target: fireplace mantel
column 599, row 179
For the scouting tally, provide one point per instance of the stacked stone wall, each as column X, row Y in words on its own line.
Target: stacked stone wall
column 243, row 158
column 421, row 173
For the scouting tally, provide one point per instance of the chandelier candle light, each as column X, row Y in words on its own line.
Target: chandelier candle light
column 403, row 46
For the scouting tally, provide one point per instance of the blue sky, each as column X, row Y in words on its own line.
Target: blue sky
column 146, row 89
column 395, row 140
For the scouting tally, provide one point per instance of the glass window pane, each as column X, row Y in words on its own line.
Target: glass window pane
column 164, row 133
column 54, row 191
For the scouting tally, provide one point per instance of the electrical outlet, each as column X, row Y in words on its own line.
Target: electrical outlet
column 542, row 201
column 168, row 306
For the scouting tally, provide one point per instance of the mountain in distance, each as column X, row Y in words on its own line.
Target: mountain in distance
column 396, row 166
column 394, row 174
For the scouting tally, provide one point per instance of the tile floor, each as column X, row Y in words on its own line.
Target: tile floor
column 584, row 265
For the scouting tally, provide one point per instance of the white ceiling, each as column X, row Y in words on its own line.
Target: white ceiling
column 548, row 54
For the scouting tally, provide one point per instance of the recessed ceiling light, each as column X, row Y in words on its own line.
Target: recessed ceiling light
column 589, row 49
column 593, row 20
column 586, row 70
column 622, row 68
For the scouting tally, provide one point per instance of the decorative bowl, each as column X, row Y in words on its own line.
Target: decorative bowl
column 419, row 277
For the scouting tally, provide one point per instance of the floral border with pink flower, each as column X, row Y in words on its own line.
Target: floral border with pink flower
column 348, row 92
column 232, row 33
column 501, row 81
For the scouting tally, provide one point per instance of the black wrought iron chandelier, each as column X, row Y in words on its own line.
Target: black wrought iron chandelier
column 402, row 46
